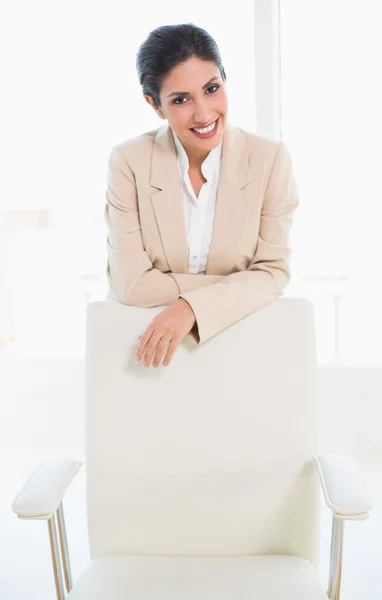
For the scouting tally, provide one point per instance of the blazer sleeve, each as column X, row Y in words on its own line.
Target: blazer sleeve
column 239, row 294
column 132, row 278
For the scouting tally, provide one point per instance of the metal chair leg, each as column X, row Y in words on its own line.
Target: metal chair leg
column 64, row 548
column 56, row 559
column 332, row 556
column 338, row 531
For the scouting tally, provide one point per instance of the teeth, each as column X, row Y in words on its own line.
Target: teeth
column 206, row 129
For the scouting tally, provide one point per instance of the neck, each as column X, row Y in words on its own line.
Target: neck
column 196, row 158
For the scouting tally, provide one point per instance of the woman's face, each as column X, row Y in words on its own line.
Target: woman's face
column 193, row 96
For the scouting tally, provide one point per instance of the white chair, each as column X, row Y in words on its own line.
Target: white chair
column 201, row 477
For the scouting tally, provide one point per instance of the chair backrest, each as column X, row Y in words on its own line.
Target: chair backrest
column 212, row 455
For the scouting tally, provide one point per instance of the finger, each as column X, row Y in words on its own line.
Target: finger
column 170, row 352
column 144, row 340
column 161, row 349
column 150, row 348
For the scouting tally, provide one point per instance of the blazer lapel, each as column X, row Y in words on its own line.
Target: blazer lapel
column 168, row 202
column 232, row 204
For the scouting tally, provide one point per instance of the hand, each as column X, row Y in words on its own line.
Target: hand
column 169, row 327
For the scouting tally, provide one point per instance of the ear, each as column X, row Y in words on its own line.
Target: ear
column 150, row 101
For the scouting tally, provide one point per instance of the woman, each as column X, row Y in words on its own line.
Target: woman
column 198, row 211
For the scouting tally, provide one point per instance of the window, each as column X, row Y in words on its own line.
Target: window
column 74, row 94
column 331, row 120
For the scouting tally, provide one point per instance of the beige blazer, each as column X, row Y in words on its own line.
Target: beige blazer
column 248, row 263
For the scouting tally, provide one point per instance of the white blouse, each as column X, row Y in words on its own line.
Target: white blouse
column 199, row 211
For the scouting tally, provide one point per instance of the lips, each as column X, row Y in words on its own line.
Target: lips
column 204, row 126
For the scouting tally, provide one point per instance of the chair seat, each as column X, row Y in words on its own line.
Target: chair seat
column 132, row 577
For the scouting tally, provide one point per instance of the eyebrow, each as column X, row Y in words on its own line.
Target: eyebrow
column 188, row 93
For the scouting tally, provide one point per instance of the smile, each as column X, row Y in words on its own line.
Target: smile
column 206, row 132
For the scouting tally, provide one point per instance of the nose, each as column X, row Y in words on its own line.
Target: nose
column 202, row 114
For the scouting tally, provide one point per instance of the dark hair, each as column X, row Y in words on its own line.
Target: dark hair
column 168, row 46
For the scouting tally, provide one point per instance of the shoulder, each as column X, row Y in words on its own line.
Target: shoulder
column 259, row 145
column 264, row 150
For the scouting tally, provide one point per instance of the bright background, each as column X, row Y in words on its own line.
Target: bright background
column 69, row 93
column 74, row 93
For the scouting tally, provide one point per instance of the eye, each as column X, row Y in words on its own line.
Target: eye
column 179, row 98
column 211, row 90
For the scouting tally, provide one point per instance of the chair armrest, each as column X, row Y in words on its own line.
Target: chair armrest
column 344, row 489
column 42, row 493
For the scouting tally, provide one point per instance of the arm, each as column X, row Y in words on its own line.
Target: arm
column 43, row 492
column 346, row 496
column 131, row 275
column 237, row 295
column 344, row 490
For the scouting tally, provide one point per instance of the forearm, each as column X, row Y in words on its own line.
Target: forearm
column 238, row 295
column 187, row 282
column 154, row 288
